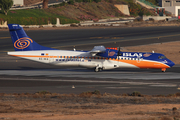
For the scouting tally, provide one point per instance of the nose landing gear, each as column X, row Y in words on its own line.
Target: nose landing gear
column 163, row 69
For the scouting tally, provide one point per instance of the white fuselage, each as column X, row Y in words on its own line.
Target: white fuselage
column 71, row 58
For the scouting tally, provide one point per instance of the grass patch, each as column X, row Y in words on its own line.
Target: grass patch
column 33, row 17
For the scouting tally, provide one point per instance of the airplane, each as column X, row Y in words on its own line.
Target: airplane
column 99, row 58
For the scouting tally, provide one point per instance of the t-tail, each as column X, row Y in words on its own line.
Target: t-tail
column 21, row 41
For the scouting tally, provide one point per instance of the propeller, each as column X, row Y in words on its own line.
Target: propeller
column 119, row 50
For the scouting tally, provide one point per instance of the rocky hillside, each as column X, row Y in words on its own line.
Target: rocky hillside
column 87, row 11
column 94, row 11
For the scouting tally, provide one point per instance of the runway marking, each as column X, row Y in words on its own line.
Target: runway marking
column 4, row 37
column 106, row 37
column 116, row 40
column 165, row 85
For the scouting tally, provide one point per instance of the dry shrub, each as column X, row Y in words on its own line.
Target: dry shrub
column 136, row 93
column 15, row 93
column 89, row 94
column 68, row 95
column 86, row 94
column 2, row 94
column 159, row 96
column 124, row 94
column 43, row 92
column 177, row 94
column 36, row 96
column 171, row 95
column 153, row 118
column 166, row 118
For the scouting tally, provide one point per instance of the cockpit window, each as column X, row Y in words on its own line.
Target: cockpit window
column 162, row 57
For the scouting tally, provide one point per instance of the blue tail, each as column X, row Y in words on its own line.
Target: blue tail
column 21, row 41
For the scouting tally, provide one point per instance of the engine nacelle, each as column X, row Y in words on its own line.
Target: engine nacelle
column 108, row 67
column 88, row 64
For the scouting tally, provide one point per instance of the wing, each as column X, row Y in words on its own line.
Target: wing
column 97, row 49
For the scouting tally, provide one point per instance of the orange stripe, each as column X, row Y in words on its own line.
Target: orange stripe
column 145, row 64
column 30, row 56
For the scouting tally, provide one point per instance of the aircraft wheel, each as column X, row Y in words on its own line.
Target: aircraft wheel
column 98, row 69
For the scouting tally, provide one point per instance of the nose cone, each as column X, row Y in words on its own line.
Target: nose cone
column 170, row 63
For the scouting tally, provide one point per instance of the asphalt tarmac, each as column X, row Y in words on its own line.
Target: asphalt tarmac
column 19, row 76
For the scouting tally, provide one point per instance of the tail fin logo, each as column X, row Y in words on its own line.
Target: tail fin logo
column 22, row 43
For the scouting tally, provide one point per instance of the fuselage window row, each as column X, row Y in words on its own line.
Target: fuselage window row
column 80, row 57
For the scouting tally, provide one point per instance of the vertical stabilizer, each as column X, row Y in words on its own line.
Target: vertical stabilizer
column 21, row 41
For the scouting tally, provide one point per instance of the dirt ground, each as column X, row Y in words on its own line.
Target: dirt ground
column 54, row 106
column 118, row 112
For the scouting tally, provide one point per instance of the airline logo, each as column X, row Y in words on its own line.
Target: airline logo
column 22, row 43
column 111, row 53
column 132, row 54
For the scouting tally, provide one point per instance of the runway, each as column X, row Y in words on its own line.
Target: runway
column 19, row 76
column 78, row 80
column 83, row 73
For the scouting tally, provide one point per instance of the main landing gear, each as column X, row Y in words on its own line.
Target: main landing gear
column 163, row 69
column 98, row 69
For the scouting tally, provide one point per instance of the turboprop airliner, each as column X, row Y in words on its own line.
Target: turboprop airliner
column 99, row 58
